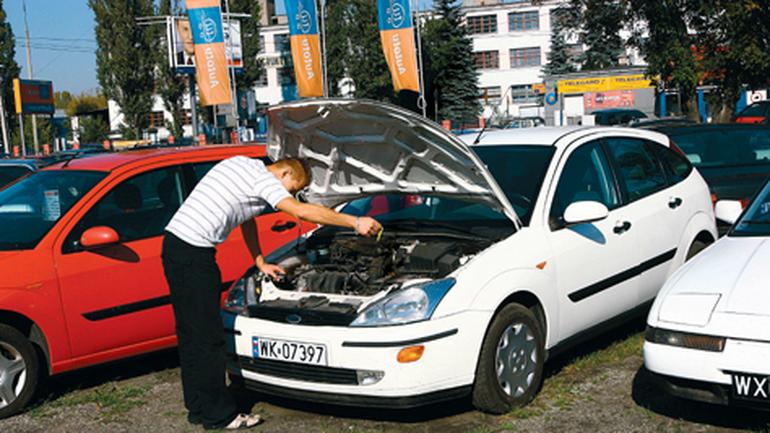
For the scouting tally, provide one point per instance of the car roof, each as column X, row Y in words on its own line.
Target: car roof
column 113, row 160
column 552, row 135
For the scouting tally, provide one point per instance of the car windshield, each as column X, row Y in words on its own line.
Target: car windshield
column 740, row 146
column 519, row 171
column 756, row 219
column 31, row 206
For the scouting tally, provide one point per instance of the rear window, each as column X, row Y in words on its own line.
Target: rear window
column 755, row 110
column 711, row 148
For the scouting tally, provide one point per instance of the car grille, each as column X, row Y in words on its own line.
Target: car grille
column 303, row 372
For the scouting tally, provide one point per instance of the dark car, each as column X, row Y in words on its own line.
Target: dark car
column 758, row 112
column 617, row 116
column 733, row 158
column 12, row 169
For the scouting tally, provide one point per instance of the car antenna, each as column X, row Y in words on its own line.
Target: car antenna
column 67, row 160
column 491, row 116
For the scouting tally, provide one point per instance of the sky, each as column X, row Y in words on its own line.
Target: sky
column 62, row 40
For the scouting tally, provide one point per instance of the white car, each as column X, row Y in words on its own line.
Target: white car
column 708, row 335
column 494, row 255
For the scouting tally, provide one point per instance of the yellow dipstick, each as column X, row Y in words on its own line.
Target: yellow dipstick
column 379, row 234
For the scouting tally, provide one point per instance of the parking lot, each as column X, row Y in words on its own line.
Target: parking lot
column 598, row 387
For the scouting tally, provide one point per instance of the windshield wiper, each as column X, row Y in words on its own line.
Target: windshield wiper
column 754, row 222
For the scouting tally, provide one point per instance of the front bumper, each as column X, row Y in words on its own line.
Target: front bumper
column 445, row 371
column 705, row 376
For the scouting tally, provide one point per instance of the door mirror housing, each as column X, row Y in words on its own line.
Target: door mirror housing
column 585, row 212
column 728, row 210
column 99, row 236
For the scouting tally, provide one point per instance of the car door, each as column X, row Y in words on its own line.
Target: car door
column 657, row 209
column 275, row 229
column 594, row 261
column 116, row 296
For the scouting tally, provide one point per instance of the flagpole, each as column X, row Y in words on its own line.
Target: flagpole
column 231, row 71
column 322, row 4
column 421, row 104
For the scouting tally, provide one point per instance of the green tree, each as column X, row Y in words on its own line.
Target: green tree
column 9, row 69
column 560, row 60
column 451, row 77
column 124, row 69
column 667, row 47
column 85, row 103
column 171, row 87
column 62, row 99
column 600, row 22
column 250, row 40
column 93, row 129
column 354, row 49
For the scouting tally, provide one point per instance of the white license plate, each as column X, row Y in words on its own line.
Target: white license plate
column 291, row 351
column 751, row 387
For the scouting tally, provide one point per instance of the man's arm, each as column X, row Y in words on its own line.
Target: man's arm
column 251, row 238
column 314, row 213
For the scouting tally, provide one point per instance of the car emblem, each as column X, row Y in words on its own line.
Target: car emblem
column 293, row 318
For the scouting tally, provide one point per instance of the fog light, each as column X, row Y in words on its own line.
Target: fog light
column 369, row 377
column 410, row 354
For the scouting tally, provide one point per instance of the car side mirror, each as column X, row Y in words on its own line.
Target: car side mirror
column 99, row 236
column 585, row 212
column 728, row 210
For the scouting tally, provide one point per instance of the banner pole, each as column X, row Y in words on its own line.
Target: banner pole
column 231, row 71
column 322, row 4
column 193, row 107
column 421, row 104
column 21, row 134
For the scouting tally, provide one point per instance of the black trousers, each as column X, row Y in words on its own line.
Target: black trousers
column 195, row 284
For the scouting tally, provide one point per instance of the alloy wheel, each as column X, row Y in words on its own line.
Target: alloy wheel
column 13, row 374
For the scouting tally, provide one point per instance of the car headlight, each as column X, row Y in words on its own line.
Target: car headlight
column 244, row 292
column 408, row 305
column 684, row 339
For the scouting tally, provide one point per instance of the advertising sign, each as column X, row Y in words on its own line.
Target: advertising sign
column 397, row 35
column 33, row 96
column 305, row 47
column 611, row 99
column 182, row 48
column 211, row 71
column 604, row 84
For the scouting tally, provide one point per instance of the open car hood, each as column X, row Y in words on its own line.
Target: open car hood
column 357, row 148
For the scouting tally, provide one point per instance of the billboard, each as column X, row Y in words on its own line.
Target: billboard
column 33, row 96
column 604, row 84
column 182, row 49
column 610, row 99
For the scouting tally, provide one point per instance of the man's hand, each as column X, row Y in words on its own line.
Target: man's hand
column 367, row 226
column 268, row 269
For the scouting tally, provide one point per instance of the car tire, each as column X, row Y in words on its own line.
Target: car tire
column 514, row 334
column 695, row 248
column 19, row 371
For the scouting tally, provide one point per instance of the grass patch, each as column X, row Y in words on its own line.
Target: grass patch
column 111, row 399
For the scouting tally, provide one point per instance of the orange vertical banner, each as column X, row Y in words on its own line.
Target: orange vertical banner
column 305, row 47
column 210, row 63
column 397, row 34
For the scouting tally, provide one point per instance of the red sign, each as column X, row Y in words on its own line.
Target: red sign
column 609, row 99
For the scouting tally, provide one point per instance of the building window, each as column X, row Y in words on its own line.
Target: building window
column 482, row 24
column 261, row 79
column 521, row 21
column 487, row 59
column 489, row 95
column 281, row 43
column 261, row 44
column 186, row 116
column 523, row 57
column 526, row 94
column 157, row 120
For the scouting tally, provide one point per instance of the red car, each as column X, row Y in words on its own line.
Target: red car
column 81, row 280
column 758, row 112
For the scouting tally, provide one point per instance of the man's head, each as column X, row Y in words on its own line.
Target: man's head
column 294, row 173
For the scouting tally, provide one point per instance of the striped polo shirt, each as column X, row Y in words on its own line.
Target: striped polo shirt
column 231, row 193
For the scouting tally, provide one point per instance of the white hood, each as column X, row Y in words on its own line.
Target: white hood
column 359, row 147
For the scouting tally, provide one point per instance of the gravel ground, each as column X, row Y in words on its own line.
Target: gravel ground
column 599, row 387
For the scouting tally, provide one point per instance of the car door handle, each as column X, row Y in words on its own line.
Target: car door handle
column 621, row 227
column 282, row 226
column 674, row 202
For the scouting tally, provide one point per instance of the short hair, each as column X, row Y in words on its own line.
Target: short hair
column 300, row 169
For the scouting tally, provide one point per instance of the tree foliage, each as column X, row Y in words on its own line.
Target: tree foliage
column 252, row 66
column 93, row 129
column 85, row 103
column 559, row 59
column 169, row 85
column 451, row 77
column 10, row 69
column 124, row 69
column 600, row 22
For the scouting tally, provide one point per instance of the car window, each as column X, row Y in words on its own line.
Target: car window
column 12, row 172
column 585, row 177
column 639, row 172
column 756, row 220
column 754, row 110
column 137, row 208
column 201, row 168
column 677, row 167
column 715, row 148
